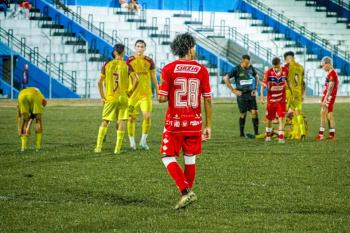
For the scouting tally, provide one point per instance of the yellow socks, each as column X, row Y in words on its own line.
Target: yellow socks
column 38, row 139
column 300, row 119
column 119, row 142
column 24, row 141
column 131, row 128
column 101, row 134
column 146, row 125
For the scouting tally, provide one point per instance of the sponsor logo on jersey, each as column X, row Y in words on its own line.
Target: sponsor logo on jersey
column 195, row 123
column 184, row 124
column 176, row 124
column 185, row 68
column 277, row 88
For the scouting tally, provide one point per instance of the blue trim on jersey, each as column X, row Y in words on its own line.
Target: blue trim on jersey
column 277, row 80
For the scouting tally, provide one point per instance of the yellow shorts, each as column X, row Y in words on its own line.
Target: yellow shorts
column 29, row 104
column 116, row 109
column 135, row 105
column 297, row 103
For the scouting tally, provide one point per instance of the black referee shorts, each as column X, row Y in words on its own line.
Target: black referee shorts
column 246, row 102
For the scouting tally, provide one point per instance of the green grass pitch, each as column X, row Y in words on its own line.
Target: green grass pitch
column 242, row 185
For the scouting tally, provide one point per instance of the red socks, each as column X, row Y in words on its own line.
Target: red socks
column 175, row 172
column 190, row 169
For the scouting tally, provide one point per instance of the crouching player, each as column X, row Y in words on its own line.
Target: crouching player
column 275, row 81
column 115, row 77
column 31, row 103
column 184, row 82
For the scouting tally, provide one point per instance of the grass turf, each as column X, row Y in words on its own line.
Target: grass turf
column 243, row 185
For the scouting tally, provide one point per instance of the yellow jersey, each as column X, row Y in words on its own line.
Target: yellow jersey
column 296, row 79
column 143, row 66
column 30, row 101
column 116, row 76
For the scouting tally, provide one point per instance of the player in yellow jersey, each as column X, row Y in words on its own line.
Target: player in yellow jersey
column 141, row 99
column 295, row 94
column 31, row 103
column 114, row 78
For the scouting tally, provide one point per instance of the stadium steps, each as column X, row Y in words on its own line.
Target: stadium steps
column 182, row 15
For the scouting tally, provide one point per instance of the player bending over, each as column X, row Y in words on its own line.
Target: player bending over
column 184, row 82
column 275, row 81
column 31, row 103
column 115, row 78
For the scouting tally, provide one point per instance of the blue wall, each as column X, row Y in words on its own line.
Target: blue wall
column 211, row 5
column 39, row 79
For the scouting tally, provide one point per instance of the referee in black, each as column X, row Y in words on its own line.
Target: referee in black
column 246, row 82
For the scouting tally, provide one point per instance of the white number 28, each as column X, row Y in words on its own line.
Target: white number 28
column 189, row 88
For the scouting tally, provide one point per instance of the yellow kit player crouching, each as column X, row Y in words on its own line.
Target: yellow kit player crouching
column 31, row 103
column 115, row 78
column 141, row 99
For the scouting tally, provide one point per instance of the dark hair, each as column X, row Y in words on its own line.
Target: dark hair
column 289, row 53
column 140, row 41
column 182, row 44
column 276, row 61
column 246, row 56
column 118, row 48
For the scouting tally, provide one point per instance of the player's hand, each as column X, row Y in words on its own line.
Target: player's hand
column 103, row 100
column 129, row 93
column 253, row 93
column 206, row 135
column 262, row 100
column 237, row 92
column 44, row 102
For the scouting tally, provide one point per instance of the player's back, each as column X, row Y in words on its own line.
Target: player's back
column 31, row 94
column 116, row 70
column 185, row 82
column 332, row 76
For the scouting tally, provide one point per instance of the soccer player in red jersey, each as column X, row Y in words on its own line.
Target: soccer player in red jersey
column 275, row 79
column 184, row 82
column 328, row 99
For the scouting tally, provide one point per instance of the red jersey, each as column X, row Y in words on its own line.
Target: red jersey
column 331, row 77
column 184, row 82
column 276, row 85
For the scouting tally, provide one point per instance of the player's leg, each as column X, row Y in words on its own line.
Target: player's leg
column 122, row 118
column 330, row 118
column 38, row 131
column 146, row 108
column 243, row 114
column 102, row 131
column 192, row 146
column 270, row 116
column 133, row 112
column 24, row 131
column 108, row 114
column 323, row 117
column 281, row 111
column 253, row 107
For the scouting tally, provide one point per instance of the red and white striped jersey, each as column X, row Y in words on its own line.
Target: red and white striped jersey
column 276, row 82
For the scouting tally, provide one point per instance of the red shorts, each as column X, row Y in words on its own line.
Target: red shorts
column 173, row 143
column 273, row 108
column 329, row 103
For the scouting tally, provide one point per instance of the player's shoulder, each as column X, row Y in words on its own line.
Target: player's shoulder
column 130, row 59
column 107, row 62
column 147, row 58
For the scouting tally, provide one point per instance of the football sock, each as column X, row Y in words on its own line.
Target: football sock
column 119, row 142
column 331, row 132
column 280, row 134
column 101, row 134
column 256, row 125
column 143, row 138
column 190, row 169
column 24, row 141
column 131, row 128
column 321, row 131
column 146, row 125
column 268, row 132
column 301, row 124
column 296, row 127
column 241, row 125
column 175, row 172
column 38, row 139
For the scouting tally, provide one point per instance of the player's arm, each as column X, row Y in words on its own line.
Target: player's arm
column 163, row 87
column 100, row 88
column 303, row 87
column 262, row 88
column 255, row 92
column 208, row 119
column 18, row 121
column 329, row 91
column 229, row 85
column 154, row 80
column 135, row 82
